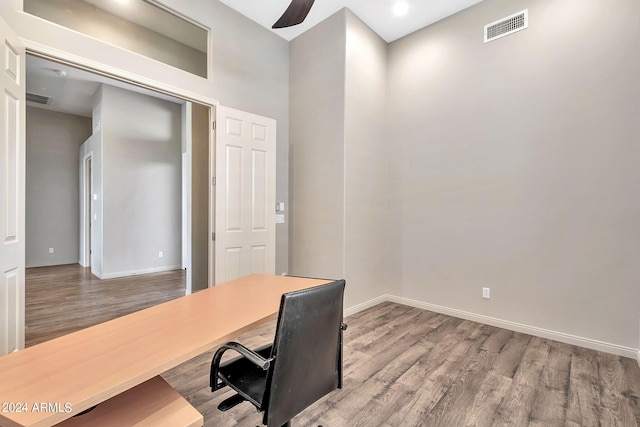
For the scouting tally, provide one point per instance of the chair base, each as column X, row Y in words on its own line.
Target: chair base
column 231, row 402
column 234, row 401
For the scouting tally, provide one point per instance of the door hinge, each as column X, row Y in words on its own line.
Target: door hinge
column 213, row 124
column 213, row 236
column 213, row 180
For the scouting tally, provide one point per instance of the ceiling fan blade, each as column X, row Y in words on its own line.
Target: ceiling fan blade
column 295, row 13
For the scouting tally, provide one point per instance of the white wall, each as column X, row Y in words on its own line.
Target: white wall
column 514, row 165
column 142, row 183
column 53, row 140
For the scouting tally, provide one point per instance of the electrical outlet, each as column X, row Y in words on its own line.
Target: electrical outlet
column 160, row 254
column 50, row 250
column 486, row 293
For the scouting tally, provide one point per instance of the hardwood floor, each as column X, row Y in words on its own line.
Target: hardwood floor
column 408, row 367
column 65, row 298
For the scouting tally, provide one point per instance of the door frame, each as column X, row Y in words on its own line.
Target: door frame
column 86, row 210
column 66, row 58
column 12, row 169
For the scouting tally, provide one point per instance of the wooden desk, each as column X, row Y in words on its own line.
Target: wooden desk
column 153, row 403
column 87, row 367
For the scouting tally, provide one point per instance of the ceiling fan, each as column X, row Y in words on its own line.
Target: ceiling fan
column 295, row 13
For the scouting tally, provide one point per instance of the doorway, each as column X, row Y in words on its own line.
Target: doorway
column 60, row 75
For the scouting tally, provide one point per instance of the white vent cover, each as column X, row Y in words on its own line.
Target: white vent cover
column 38, row 99
column 505, row 26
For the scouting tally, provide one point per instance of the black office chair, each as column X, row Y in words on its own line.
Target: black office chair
column 303, row 364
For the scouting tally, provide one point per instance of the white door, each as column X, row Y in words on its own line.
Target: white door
column 245, row 195
column 12, row 175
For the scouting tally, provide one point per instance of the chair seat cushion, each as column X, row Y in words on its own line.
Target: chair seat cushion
column 246, row 378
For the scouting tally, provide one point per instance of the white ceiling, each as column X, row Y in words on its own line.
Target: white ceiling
column 377, row 14
column 71, row 89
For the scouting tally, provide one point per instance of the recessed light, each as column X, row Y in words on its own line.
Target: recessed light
column 400, row 8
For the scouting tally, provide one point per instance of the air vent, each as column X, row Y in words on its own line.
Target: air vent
column 38, row 99
column 505, row 26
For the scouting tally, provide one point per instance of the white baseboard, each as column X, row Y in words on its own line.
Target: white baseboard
column 141, row 271
column 96, row 273
column 505, row 324
column 367, row 304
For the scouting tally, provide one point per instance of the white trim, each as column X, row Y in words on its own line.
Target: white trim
column 85, row 211
column 616, row 349
column 365, row 305
column 211, row 220
column 187, row 193
column 141, row 271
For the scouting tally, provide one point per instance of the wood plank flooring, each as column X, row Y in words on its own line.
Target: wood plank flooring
column 408, row 367
column 65, row 298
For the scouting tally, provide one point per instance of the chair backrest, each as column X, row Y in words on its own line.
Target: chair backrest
column 307, row 350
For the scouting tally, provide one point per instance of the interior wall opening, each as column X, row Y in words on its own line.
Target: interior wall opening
column 72, row 95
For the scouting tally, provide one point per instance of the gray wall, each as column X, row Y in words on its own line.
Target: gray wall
column 511, row 164
column 514, row 165
column 103, row 25
column 365, row 166
column 53, row 140
column 317, row 70
column 339, row 173
column 142, row 183
column 250, row 72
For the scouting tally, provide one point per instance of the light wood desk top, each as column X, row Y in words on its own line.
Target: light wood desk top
column 90, row 366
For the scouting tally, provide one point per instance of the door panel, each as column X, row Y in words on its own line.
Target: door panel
column 259, row 191
column 232, row 262
column 244, row 194
column 12, row 173
column 233, row 188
